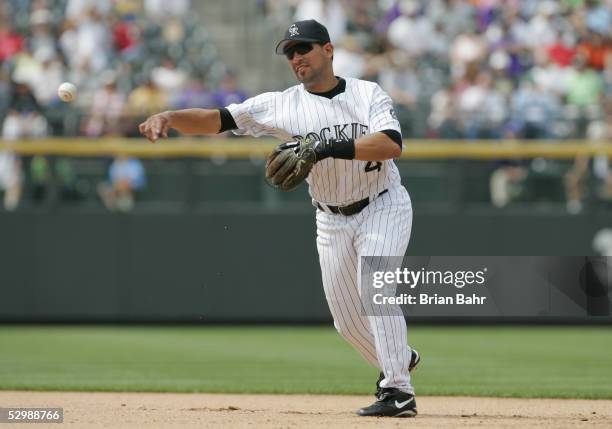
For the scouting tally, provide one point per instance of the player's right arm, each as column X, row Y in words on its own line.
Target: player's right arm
column 186, row 121
column 244, row 118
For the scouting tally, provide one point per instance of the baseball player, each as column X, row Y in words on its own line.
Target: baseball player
column 349, row 132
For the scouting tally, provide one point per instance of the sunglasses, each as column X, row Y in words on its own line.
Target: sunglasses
column 300, row 48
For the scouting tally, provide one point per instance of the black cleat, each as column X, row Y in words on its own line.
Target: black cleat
column 391, row 402
column 415, row 359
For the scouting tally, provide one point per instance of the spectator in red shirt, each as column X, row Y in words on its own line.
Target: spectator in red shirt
column 560, row 53
column 11, row 42
column 126, row 36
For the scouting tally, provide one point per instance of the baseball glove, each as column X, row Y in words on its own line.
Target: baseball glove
column 290, row 163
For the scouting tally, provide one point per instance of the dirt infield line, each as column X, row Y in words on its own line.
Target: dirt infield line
column 163, row 410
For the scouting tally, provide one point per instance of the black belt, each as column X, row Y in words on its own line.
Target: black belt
column 351, row 209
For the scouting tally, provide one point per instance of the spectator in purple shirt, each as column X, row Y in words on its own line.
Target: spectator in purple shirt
column 229, row 91
column 194, row 94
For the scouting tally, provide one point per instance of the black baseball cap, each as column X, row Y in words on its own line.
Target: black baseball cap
column 304, row 31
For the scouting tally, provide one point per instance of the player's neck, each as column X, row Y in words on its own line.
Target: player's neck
column 326, row 84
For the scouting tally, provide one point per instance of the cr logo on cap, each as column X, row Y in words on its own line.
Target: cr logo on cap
column 293, row 30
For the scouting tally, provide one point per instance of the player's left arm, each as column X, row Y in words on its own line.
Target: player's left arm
column 385, row 138
column 378, row 146
column 384, row 141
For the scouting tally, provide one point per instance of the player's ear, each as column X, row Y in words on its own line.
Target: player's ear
column 329, row 50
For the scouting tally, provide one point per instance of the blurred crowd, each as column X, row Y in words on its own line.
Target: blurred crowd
column 476, row 68
column 128, row 59
column 472, row 69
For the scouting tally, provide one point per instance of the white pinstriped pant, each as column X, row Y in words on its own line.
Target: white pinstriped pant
column 381, row 229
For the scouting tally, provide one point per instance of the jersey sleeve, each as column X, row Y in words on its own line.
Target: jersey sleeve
column 252, row 114
column 382, row 113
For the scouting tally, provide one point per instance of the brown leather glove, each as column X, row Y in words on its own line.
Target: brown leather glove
column 290, row 163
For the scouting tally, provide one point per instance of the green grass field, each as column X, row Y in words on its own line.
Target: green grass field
column 491, row 361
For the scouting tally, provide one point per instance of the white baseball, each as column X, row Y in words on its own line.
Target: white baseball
column 67, row 92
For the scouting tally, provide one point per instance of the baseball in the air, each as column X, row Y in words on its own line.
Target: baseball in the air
column 67, row 92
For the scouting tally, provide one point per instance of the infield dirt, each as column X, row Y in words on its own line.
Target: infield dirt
column 163, row 410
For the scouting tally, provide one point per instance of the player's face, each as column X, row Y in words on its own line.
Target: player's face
column 308, row 60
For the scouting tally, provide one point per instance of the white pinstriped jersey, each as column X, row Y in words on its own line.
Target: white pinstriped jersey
column 295, row 113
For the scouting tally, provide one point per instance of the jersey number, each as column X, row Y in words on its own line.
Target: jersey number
column 372, row 166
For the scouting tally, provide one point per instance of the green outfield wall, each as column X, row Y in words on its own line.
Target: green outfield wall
column 224, row 265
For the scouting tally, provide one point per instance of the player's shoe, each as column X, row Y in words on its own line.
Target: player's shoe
column 391, row 402
column 415, row 359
